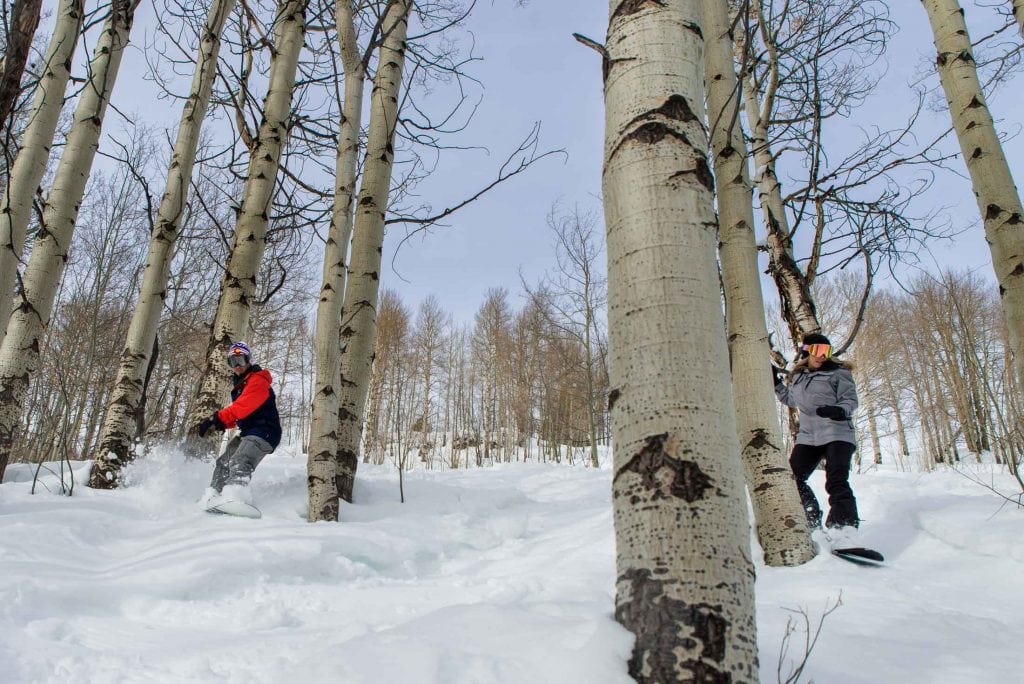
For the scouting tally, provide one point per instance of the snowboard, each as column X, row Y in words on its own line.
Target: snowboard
column 860, row 556
column 236, row 508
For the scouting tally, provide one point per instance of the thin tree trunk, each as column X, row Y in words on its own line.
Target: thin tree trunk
column 19, row 353
column 238, row 286
column 798, row 308
column 120, row 424
column 779, row 517
column 359, row 325
column 685, row 589
column 869, row 406
column 1018, row 13
column 323, row 442
column 998, row 199
column 30, row 164
column 24, row 20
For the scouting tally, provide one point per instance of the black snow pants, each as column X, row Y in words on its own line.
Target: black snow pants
column 842, row 504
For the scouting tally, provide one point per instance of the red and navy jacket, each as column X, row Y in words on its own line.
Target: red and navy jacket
column 253, row 407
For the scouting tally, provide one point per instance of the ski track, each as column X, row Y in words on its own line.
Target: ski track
column 500, row 574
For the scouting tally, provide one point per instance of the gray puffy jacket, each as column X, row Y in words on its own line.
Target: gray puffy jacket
column 831, row 385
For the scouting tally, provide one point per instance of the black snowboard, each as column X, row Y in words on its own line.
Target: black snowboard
column 860, row 555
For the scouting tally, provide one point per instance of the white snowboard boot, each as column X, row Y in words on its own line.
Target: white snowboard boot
column 209, row 497
column 236, row 492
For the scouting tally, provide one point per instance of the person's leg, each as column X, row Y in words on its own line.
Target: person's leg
column 245, row 458
column 220, row 468
column 841, row 502
column 802, row 461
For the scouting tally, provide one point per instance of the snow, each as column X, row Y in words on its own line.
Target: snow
column 500, row 574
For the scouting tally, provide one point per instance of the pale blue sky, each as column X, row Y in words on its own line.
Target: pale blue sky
column 533, row 70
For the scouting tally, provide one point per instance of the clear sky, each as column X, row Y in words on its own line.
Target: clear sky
column 534, row 71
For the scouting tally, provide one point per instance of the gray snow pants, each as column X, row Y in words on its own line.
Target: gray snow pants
column 240, row 458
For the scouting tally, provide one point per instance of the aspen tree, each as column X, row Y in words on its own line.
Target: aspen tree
column 238, row 285
column 797, row 303
column 119, row 424
column 323, row 441
column 685, row 578
column 30, row 163
column 19, row 353
column 780, row 520
column 359, row 320
column 1018, row 14
column 22, row 24
column 997, row 196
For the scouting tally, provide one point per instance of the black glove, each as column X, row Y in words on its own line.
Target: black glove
column 777, row 374
column 833, row 412
column 213, row 421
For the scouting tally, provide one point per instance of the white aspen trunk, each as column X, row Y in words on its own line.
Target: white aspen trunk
column 685, row 580
column 30, row 164
column 869, row 406
column 1018, row 13
column 119, row 423
column 778, row 515
column 238, row 286
column 323, row 440
column 358, row 332
column 997, row 196
column 19, row 353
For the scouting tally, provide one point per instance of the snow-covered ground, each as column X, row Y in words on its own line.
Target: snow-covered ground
column 493, row 575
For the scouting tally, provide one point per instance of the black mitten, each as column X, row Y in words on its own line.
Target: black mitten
column 833, row 412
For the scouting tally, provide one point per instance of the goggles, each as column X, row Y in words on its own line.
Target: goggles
column 236, row 360
column 818, row 350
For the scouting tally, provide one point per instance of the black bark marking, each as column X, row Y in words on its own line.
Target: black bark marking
column 1017, row 270
column 654, row 132
column 760, row 440
column 668, row 630
column 613, row 397
column 664, row 474
column 634, row 6
column 702, row 172
column 992, row 211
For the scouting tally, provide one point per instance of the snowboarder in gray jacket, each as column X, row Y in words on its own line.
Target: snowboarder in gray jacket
column 824, row 392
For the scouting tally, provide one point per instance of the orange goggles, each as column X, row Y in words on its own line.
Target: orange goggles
column 818, row 349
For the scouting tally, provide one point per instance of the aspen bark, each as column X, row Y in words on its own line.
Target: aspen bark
column 798, row 307
column 19, row 353
column 30, row 164
column 323, row 441
column 997, row 196
column 120, row 424
column 358, row 332
column 778, row 515
column 22, row 28
column 238, row 285
column 1018, row 14
column 685, row 577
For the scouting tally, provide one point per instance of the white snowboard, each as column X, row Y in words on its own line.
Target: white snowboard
column 237, row 508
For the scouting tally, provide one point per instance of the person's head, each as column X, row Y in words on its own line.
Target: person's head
column 239, row 357
column 817, row 349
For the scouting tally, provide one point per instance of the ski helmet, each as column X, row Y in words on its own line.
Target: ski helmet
column 240, row 349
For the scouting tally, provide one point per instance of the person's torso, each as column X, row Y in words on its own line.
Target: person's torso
column 811, row 390
column 264, row 422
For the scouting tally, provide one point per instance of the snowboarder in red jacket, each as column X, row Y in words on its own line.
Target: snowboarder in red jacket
column 253, row 409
